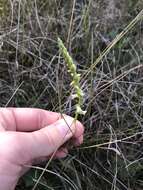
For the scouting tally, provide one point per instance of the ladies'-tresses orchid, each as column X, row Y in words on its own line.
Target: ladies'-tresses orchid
column 75, row 79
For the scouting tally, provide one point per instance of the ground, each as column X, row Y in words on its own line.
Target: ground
column 32, row 74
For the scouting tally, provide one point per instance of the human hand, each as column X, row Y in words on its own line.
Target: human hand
column 27, row 135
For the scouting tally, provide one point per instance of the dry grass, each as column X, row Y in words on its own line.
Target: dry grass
column 34, row 75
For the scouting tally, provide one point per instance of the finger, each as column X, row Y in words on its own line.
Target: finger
column 45, row 141
column 77, row 141
column 26, row 119
column 61, row 153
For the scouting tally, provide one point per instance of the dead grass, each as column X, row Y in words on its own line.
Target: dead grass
column 33, row 75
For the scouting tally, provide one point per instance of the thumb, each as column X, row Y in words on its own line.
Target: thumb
column 47, row 140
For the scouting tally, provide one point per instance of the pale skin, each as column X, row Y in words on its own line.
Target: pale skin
column 29, row 135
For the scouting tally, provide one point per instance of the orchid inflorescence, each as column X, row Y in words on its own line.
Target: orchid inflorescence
column 75, row 79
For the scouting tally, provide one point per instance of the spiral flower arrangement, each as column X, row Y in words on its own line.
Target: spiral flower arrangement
column 75, row 79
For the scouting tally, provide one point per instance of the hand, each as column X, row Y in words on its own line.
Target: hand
column 29, row 134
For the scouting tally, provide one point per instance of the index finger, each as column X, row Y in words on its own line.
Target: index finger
column 26, row 119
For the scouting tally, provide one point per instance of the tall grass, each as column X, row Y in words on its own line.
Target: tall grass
column 33, row 74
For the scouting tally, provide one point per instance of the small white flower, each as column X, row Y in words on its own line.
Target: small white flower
column 75, row 78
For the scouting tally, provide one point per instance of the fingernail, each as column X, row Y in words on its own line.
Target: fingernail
column 66, row 127
column 79, row 141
